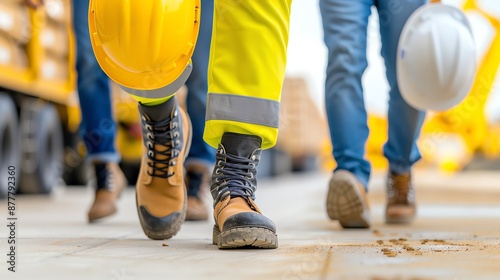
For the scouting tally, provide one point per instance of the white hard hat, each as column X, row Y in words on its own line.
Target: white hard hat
column 436, row 60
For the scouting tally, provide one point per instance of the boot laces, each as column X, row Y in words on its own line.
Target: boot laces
column 162, row 142
column 234, row 176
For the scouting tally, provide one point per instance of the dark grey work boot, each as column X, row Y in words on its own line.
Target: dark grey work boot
column 238, row 220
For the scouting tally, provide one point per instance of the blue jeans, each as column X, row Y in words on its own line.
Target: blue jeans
column 98, row 128
column 197, row 85
column 345, row 27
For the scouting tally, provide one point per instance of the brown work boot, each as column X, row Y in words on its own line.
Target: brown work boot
column 347, row 201
column 238, row 220
column 110, row 182
column 197, row 181
column 160, row 192
column 401, row 207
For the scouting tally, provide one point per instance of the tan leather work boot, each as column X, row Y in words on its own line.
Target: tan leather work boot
column 347, row 201
column 110, row 182
column 160, row 191
column 238, row 220
column 197, row 183
column 401, row 208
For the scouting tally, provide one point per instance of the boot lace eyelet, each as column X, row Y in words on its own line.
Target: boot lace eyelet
column 234, row 175
column 162, row 141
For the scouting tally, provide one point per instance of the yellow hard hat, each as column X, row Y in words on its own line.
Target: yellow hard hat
column 144, row 44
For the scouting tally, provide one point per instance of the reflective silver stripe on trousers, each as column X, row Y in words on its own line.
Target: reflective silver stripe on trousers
column 245, row 109
column 164, row 91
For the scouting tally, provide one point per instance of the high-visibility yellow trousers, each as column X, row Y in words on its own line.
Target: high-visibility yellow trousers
column 246, row 69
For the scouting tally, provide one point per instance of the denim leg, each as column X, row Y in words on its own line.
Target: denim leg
column 197, row 85
column 345, row 27
column 98, row 127
column 404, row 122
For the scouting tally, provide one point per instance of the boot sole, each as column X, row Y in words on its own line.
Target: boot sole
column 245, row 237
column 345, row 203
column 399, row 219
column 176, row 227
column 101, row 216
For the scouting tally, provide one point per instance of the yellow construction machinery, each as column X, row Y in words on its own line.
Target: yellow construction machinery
column 39, row 111
column 465, row 128
column 38, row 104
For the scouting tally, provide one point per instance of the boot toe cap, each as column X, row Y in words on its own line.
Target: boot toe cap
column 160, row 227
column 101, row 211
column 248, row 219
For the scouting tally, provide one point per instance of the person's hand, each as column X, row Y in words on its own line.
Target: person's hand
column 34, row 3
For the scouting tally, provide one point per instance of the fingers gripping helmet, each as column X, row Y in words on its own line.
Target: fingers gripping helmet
column 144, row 44
column 436, row 61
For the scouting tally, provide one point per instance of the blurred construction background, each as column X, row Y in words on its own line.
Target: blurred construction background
column 40, row 117
column 456, row 234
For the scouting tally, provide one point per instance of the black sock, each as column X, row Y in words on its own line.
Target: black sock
column 101, row 174
column 161, row 111
column 240, row 144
